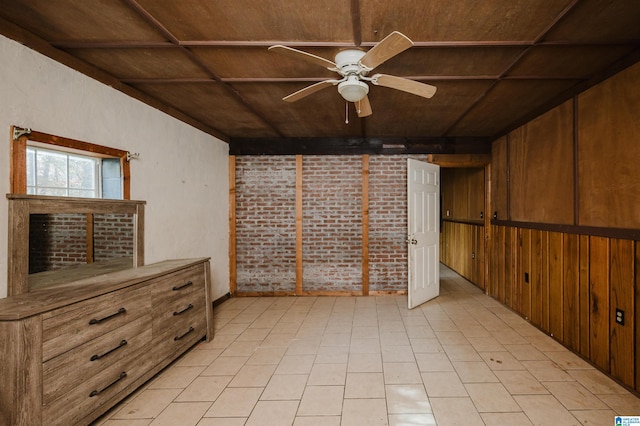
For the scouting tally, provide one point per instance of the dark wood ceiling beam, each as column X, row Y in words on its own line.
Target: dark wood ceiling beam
column 88, row 44
column 317, row 79
column 130, row 44
column 153, row 21
column 113, row 44
column 358, row 146
column 356, row 22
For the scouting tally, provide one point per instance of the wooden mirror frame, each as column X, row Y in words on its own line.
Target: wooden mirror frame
column 22, row 206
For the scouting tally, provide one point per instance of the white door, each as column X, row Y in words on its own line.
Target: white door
column 423, row 234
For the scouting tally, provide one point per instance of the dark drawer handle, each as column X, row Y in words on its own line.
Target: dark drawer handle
column 183, row 311
column 180, row 287
column 184, row 335
column 98, row 321
column 97, row 357
column 98, row 392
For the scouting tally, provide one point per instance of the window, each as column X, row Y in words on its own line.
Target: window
column 44, row 164
column 59, row 173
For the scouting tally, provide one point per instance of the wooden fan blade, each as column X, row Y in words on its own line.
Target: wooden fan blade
column 404, row 84
column 389, row 47
column 295, row 53
column 363, row 107
column 308, row 90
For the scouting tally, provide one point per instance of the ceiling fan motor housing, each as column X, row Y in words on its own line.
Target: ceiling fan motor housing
column 348, row 62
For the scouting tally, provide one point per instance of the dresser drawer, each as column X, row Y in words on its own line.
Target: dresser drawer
column 66, row 328
column 97, row 390
column 179, row 335
column 178, row 284
column 177, row 310
column 70, row 369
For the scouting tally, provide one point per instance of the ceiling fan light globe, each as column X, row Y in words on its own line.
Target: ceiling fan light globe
column 353, row 90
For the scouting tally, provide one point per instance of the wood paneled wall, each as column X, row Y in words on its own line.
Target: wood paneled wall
column 462, row 194
column 564, row 245
column 570, row 286
column 462, row 234
column 462, row 249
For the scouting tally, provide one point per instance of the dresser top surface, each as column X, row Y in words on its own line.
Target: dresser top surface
column 39, row 301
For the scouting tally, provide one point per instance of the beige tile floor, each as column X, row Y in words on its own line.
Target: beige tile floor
column 460, row 359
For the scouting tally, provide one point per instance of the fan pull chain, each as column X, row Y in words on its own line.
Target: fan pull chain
column 346, row 113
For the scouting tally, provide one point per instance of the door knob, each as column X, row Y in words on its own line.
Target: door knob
column 410, row 240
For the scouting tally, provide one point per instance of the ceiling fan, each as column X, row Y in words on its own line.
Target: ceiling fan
column 354, row 65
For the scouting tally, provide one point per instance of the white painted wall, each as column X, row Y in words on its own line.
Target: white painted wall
column 182, row 172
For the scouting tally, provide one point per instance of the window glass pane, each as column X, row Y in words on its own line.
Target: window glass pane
column 31, row 167
column 60, row 173
column 59, row 192
column 81, row 193
column 52, row 169
column 82, row 173
column 111, row 179
column 55, row 167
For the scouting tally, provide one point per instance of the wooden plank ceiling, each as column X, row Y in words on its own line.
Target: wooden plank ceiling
column 496, row 63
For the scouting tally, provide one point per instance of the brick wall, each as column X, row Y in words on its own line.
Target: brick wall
column 58, row 241
column 266, row 223
column 332, row 223
column 387, row 223
column 112, row 236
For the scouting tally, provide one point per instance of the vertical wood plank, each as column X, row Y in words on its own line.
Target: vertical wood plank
column 365, row 225
column 636, row 274
column 555, row 286
column 544, row 284
column 514, row 271
column 584, row 295
column 125, row 166
column 18, row 258
column 233, row 260
column 208, row 288
column 535, row 278
column 21, row 400
column 18, row 167
column 487, row 231
column 506, row 268
column 525, row 267
column 494, row 245
column 599, row 302
column 622, row 297
column 299, row 247
column 571, row 296
column 475, row 258
column 500, row 260
column 480, row 256
column 516, row 299
column 89, row 237
column 139, row 235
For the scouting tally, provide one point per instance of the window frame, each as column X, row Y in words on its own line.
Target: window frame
column 18, row 172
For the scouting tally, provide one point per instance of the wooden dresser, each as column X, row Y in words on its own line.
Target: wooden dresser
column 69, row 353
